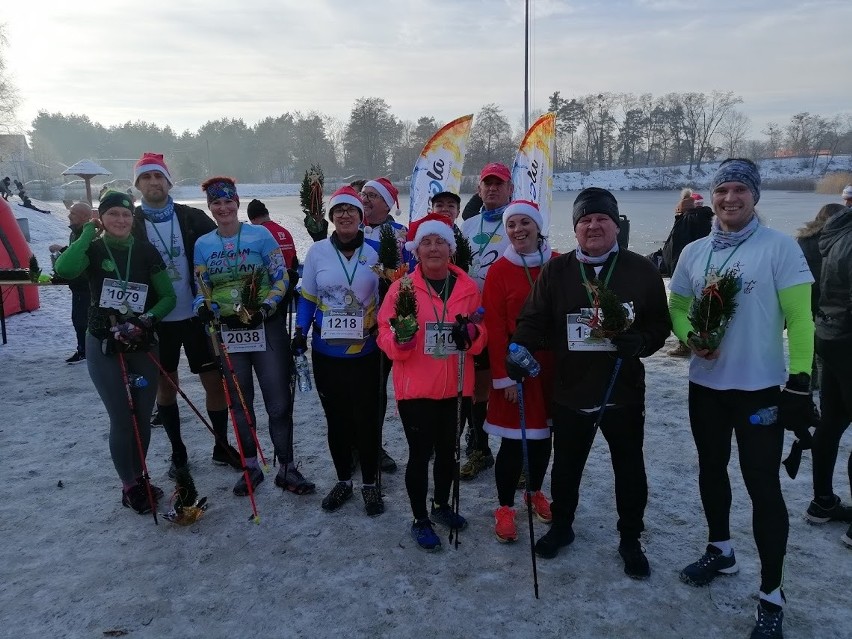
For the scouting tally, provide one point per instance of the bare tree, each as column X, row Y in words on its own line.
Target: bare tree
column 732, row 130
column 490, row 137
column 775, row 133
column 702, row 115
column 8, row 92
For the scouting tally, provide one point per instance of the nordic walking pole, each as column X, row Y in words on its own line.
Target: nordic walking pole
column 215, row 341
column 249, row 420
column 607, row 394
column 132, row 406
column 526, row 459
column 188, row 401
column 383, row 398
column 457, row 470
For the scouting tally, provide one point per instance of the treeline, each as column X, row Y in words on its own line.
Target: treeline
column 600, row 131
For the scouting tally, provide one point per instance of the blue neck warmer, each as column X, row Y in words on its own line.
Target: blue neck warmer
column 159, row 215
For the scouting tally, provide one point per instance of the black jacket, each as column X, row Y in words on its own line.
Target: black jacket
column 690, row 226
column 582, row 376
column 193, row 224
column 834, row 318
column 810, row 247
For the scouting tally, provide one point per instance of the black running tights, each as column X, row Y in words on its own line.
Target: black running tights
column 510, row 464
column 713, row 415
column 430, row 425
column 836, row 409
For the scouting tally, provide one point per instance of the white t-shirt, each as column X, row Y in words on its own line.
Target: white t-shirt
column 751, row 355
column 177, row 265
column 488, row 241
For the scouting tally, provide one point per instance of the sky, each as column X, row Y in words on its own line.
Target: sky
column 185, row 63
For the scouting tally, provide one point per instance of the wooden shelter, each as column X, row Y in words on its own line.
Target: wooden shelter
column 86, row 169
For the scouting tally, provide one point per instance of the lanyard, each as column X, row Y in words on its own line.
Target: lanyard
column 168, row 247
column 526, row 268
column 727, row 259
column 349, row 278
column 126, row 279
column 482, row 245
column 606, row 280
column 444, row 290
column 232, row 267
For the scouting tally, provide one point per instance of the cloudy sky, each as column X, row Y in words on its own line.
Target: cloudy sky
column 184, row 62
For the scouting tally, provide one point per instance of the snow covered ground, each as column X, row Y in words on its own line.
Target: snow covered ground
column 77, row 564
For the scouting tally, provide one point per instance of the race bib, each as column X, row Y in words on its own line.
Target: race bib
column 345, row 324
column 438, row 340
column 580, row 326
column 244, row 340
column 132, row 298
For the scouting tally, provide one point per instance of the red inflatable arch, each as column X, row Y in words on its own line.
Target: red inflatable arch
column 15, row 253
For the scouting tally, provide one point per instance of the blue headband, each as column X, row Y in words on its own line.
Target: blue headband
column 738, row 171
column 222, row 189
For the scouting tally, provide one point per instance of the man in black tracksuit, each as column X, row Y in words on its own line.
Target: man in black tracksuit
column 583, row 371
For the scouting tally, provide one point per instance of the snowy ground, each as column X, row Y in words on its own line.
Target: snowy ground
column 77, row 564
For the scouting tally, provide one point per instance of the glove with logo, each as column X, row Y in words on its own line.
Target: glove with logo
column 260, row 316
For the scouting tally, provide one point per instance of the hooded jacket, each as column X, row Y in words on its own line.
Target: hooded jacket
column 834, row 317
column 415, row 374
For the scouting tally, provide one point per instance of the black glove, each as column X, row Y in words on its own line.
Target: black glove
column 260, row 316
column 463, row 333
column 630, row 343
column 515, row 372
column 299, row 343
column 796, row 408
column 208, row 314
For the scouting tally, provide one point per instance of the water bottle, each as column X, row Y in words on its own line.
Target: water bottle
column 136, row 381
column 524, row 359
column 477, row 315
column 303, row 373
column 765, row 416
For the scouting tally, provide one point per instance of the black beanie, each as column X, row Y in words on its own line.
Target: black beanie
column 595, row 200
column 114, row 198
column 256, row 208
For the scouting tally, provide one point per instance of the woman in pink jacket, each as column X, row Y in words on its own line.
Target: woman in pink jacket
column 425, row 369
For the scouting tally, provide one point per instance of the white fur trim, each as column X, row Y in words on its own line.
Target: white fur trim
column 139, row 170
column 386, row 195
column 432, row 227
column 523, row 208
column 345, row 198
column 503, row 382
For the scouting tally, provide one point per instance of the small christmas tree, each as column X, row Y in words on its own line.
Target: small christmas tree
column 187, row 508
column 610, row 316
column 312, row 204
column 711, row 313
column 464, row 254
column 250, row 295
column 35, row 271
column 405, row 323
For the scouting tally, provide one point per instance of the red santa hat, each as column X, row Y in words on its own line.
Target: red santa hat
column 346, row 195
column 432, row 224
column 524, row 207
column 389, row 193
column 151, row 162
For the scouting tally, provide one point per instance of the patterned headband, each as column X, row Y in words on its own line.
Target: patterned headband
column 222, row 189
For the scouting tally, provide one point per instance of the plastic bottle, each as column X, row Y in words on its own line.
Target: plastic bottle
column 303, row 373
column 765, row 416
column 477, row 315
column 524, row 359
column 136, row 380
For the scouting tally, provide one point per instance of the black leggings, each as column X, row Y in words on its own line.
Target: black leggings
column 510, row 464
column 429, row 424
column 836, row 408
column 713, row 414
column 348, row 388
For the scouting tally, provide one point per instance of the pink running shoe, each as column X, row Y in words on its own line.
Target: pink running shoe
column 505, row 528
column 541, row 507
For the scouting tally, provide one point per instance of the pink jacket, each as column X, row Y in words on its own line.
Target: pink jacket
column 417, row 375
